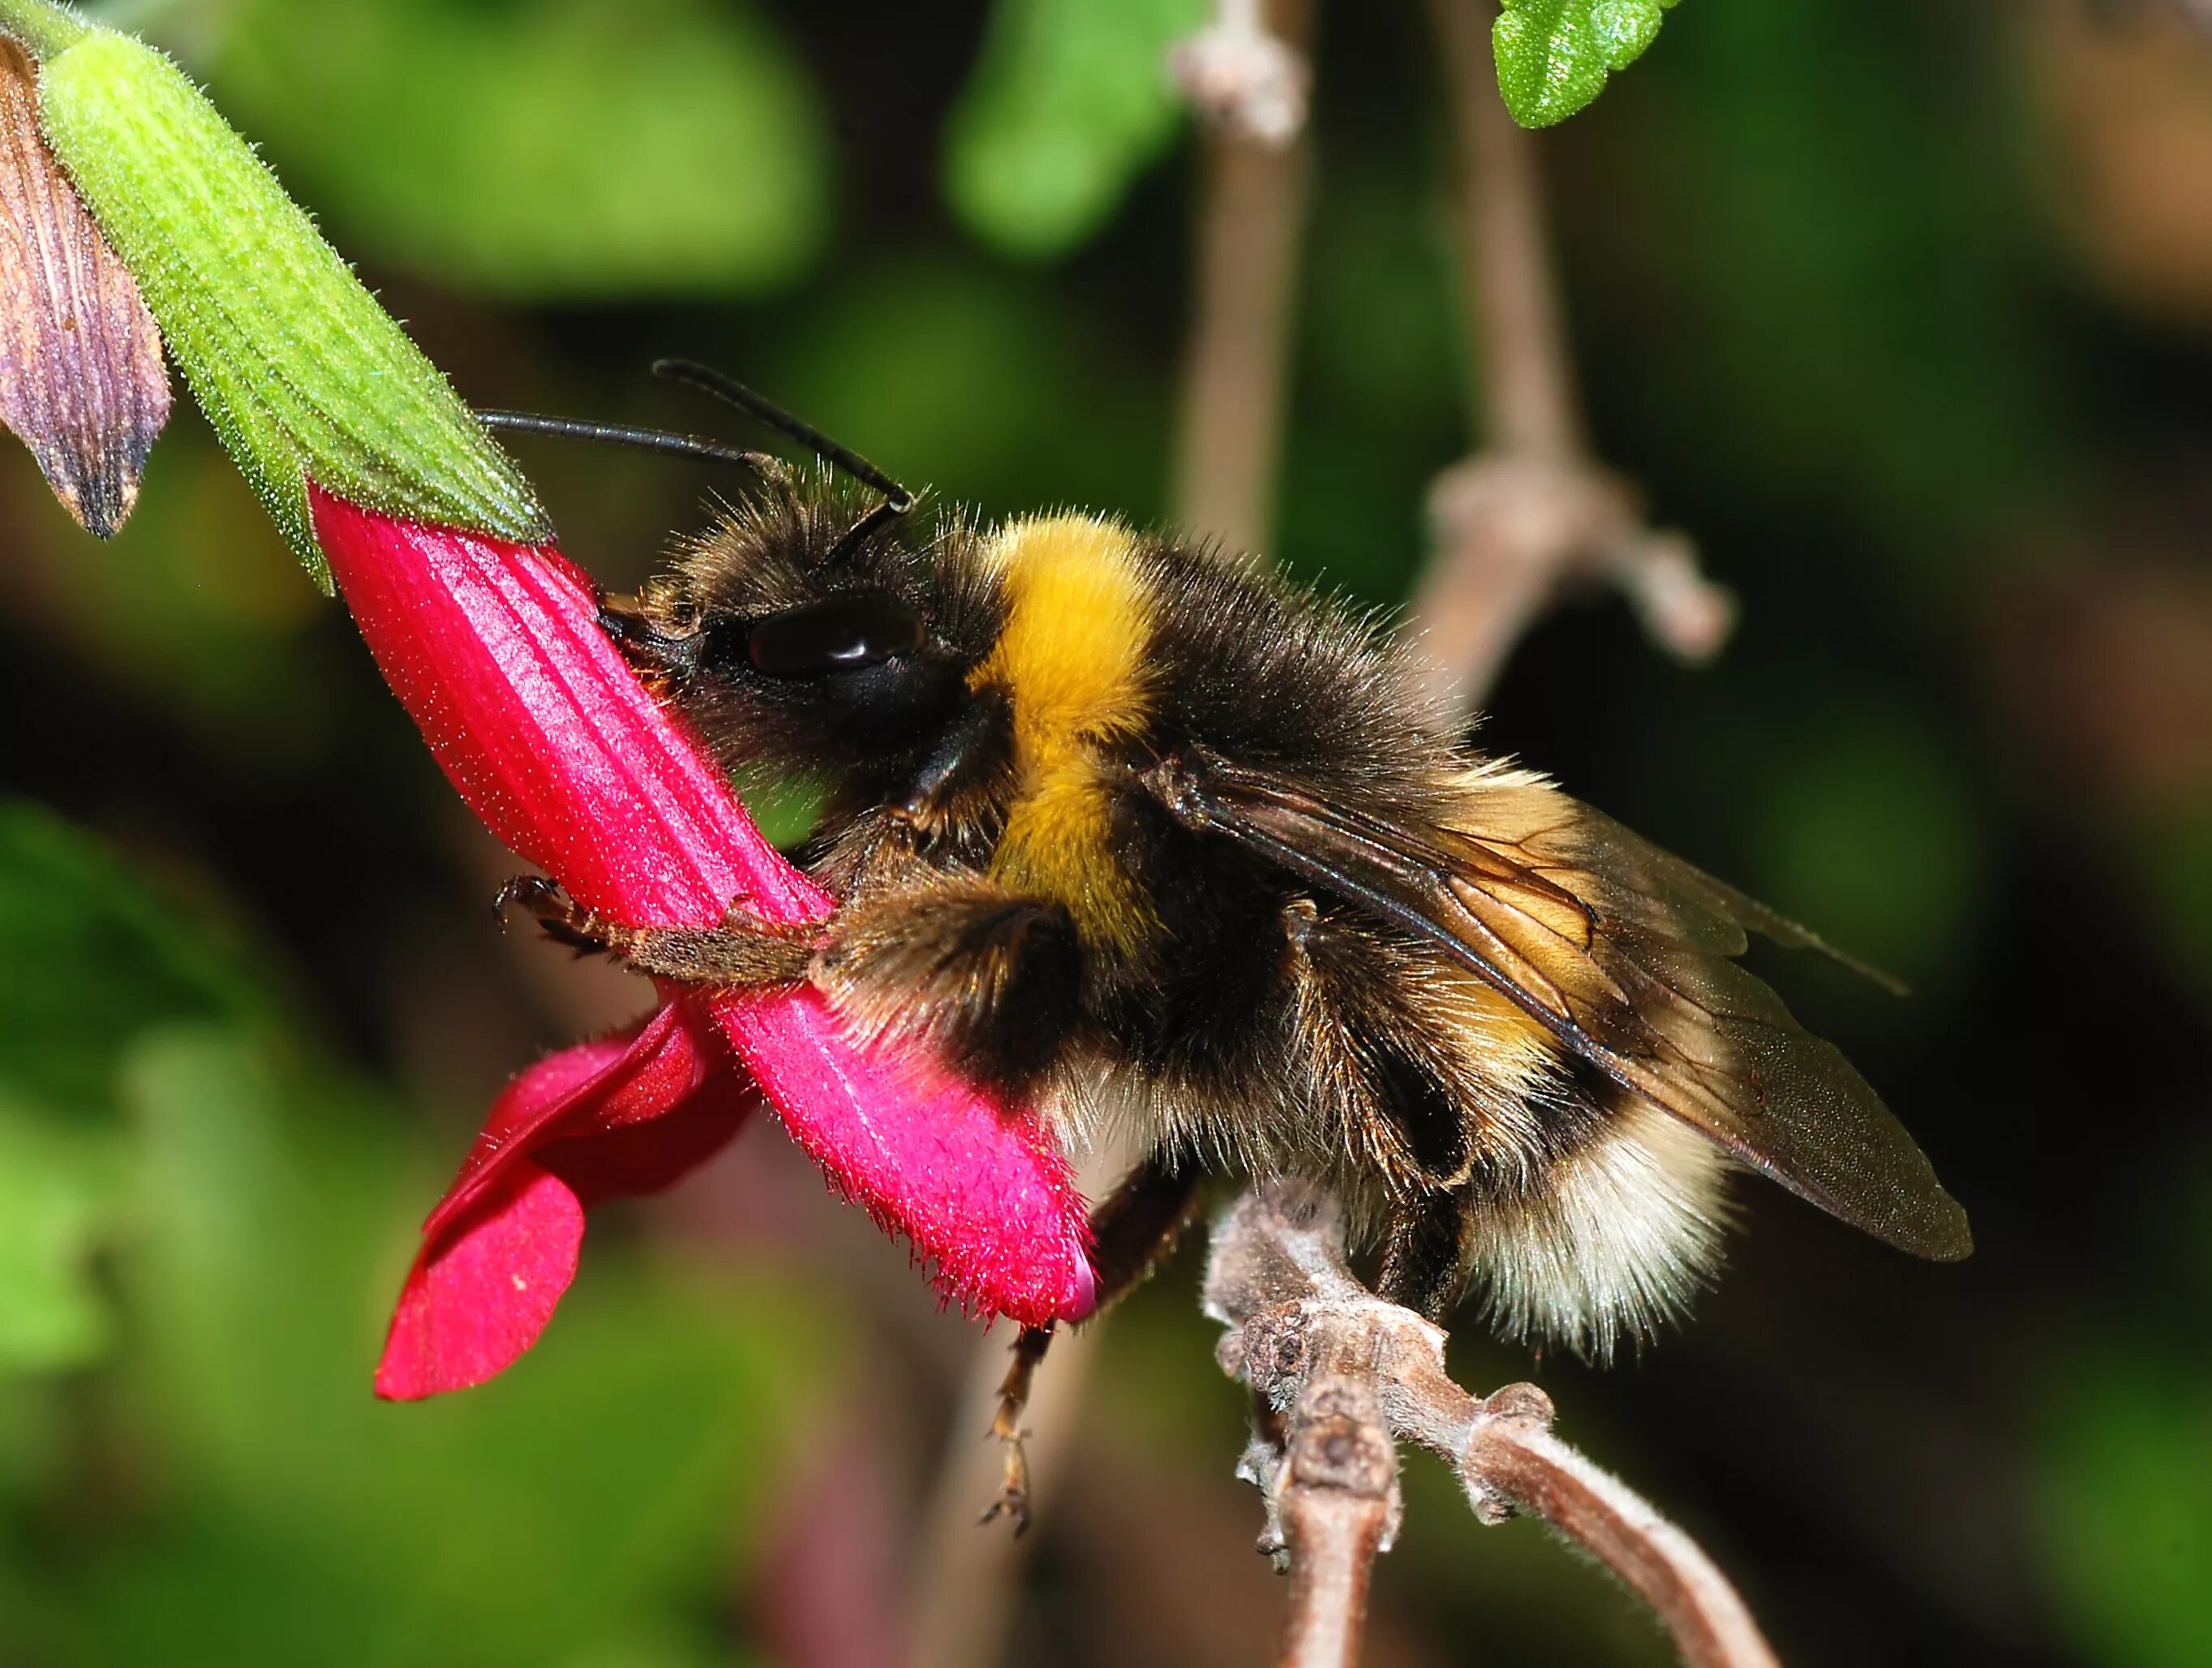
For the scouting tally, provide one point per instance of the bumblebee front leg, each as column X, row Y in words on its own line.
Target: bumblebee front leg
column 744, row 952
column 1134, row 1228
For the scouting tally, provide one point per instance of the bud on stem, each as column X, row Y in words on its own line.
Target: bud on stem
column 304, row 375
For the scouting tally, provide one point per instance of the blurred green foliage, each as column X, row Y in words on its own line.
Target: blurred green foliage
column 2124, row 1434
column 1820, row 241
column 2126, row 1511
column 401, row 1534
column 2174, row 850
column 542, row 147
column 88, row 960
column 197, row 605
column 1068, row 101
column 58, row 1187
column 961, row 370
column 170, row 1149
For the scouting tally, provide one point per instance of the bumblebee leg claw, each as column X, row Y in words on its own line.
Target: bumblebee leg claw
column 520, row 889
column 558, row 915
column 1013, row 1502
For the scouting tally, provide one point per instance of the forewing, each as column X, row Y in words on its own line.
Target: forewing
column 1622, row 951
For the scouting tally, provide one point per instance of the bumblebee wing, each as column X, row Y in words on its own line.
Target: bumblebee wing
column 1624, row 954
column 1627, row 878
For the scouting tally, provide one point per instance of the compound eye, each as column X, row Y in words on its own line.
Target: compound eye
column 835, row 635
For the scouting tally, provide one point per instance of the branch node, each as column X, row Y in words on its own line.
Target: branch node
column 1533, row 514
column 1682, row 611
column 1513, row 529
column 1521, row 1404
column 1241, row 77
column 1339, row 1377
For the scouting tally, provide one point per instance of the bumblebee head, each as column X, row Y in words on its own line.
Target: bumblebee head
column 804, row 632
column 790, row 641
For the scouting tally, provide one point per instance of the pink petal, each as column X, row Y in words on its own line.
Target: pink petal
column 641, row 1072
column 496, row 651
column 930, row 1160
column 468, row 1312
column 628, row 1114
column 627, row 1160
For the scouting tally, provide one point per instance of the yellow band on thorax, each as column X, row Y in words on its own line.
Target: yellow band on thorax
column 1071, row 660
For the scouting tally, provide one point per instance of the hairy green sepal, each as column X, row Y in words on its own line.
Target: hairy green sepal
column 1553, row 55
column 304, row 375
column 41, row 29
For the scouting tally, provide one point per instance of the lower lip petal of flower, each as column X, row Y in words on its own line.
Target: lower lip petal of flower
column 496, row 651
column 625, row 1115
column 476, row 1301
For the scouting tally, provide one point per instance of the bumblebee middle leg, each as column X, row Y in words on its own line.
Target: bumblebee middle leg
column 1136, row 1225
column 745, row 951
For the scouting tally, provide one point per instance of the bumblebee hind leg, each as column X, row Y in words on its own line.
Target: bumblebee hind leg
column 1424, row 1255
column 1134, row 1228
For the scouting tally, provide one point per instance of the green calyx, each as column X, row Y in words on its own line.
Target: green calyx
column 43, row 29
column 303, row 375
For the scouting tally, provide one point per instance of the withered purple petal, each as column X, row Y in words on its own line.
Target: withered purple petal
column 81, row 377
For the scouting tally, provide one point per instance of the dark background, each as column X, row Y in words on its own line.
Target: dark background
column 1901, row 308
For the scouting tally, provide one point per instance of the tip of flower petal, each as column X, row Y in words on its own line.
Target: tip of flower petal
column 478, row 1298
column 1083, row 1291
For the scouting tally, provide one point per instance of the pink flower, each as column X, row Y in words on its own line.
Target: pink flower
column 496, row 651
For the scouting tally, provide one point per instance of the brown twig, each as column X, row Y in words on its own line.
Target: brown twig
column 2197, row 12
column 1530, row 512
column 1251, row 215
column 1339, row 1377
column 1336, row 1504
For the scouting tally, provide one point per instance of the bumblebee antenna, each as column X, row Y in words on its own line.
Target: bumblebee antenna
column 896, row 501
column 643, row 440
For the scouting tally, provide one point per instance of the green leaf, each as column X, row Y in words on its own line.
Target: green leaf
column 60, row 1184
column 563, row 149
column 1553, row 55
column 88, row 958
column 303, row 374
column 1070, row 101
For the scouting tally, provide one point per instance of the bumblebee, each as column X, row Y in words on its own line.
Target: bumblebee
column 1126, row 828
